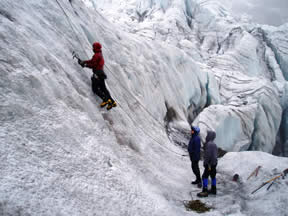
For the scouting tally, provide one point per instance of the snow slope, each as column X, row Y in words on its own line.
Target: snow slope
column 62, row 155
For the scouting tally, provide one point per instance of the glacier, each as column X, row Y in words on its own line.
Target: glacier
column 230, row 48
column 169, row 64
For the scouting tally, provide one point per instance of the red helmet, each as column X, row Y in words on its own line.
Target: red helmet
column 97, row 46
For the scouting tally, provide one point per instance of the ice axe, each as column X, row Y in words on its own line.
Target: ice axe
column 75, row 55
column 284, row 173
column 255, row 172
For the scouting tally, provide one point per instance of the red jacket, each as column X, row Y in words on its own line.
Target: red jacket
column 97, row 61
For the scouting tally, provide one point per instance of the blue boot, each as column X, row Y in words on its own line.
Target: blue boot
column 204, row 192
column 213, row 187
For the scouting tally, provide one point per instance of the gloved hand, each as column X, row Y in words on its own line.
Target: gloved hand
column 81, row 63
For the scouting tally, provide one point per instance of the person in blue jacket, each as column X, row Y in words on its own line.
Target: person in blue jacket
column 194, row 153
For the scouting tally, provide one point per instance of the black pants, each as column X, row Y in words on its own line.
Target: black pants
column 212, row 172
column 99, row 88
column 195, row 168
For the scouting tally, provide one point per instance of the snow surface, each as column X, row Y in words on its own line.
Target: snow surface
column 62, row 155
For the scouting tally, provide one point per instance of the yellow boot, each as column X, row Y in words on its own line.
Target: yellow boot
column 104, row 103
column 110, row 105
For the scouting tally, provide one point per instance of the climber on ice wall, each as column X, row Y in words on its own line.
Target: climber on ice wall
column 99, row 76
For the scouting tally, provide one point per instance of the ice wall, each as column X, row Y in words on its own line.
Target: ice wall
column 278, row 41
column 62, row 154
column 247, row 70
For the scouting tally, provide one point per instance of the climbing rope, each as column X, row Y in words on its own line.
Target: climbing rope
column 127, row 90
column 149, row 113
column 150, row 135
column 70, row 23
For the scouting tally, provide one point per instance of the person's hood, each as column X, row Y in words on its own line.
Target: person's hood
column 211, row 135
column 97, row 47
column 196, row 130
